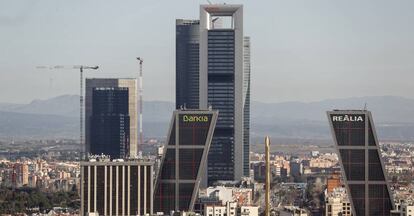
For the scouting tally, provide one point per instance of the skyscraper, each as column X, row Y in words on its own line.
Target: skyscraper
column 223, row 87
column 184, row 160
column 187, row 63
column 361, row 164
column 246, row 106
column 111, row 117
column 213, row 69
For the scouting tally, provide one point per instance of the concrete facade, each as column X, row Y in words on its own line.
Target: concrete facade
column 117, row 187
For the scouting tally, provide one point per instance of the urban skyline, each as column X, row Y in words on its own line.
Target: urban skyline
column 344, row 39
column 207, row 164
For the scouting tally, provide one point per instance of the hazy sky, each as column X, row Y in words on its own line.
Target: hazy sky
column 301, row 50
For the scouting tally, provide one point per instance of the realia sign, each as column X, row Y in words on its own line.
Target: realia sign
column 347, row 118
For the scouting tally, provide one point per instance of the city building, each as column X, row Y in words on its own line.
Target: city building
column 117, row 187
column 230, row 209
column 333, row 182
column 187, row 63
column 184, row 159
column 361, row 163
column 21, row 173
column 292, row 211
column 213, row 69
column 296, row 168
column 403, row 208
column 241, row 196
column 337, row 203
column 246, row 105
column 249, row 211
column 259, row 170
column 215, row 210
column 223, row 87
column 111, row 117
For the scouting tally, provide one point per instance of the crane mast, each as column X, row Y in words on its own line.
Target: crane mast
column 140, row 103
column 81, row 100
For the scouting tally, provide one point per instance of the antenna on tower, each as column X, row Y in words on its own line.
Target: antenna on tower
column 365, row 106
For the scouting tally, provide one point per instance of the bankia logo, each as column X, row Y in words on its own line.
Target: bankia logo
column 347, row 118
column 195, row 118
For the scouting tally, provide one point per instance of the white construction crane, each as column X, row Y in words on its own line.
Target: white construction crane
column 140, row 102
column 81, row 68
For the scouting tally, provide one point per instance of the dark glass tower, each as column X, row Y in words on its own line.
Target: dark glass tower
column 213, row 69
column 114, row 115
column 187, row 63
column 246, row 106
column 223, row 86
column 221, row 93
column 360, row 157
column 184, row 160
column 110, row 122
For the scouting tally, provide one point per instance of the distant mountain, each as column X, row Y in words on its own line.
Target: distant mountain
column 384, row 108
column 32, row 119
column 58, row 117
column 394, row 117
column 23, row 125
column 65, row 105
column 68, row 105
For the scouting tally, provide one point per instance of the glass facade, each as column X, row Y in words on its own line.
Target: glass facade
column 353, row 162
column 109, row 126
column 180, row 170
column 221, row 96
column 190, row 160
column 379, row 200
column 187, row 63
column 193, row 129
column 246, row 107
column 168, row 168
column 357, row 192
column 361, row 162
column 100, row 188
column 213, row 68
column 350, row 133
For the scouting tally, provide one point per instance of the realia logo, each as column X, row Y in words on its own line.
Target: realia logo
column 350, row 118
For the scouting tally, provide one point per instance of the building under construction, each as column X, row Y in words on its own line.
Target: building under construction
column 111, row 117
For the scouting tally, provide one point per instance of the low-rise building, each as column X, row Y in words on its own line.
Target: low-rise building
column 337, row 203
column 230, row 209
column 292, row 211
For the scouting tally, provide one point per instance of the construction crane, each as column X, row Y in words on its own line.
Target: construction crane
column 81, row 100
column 140, row 102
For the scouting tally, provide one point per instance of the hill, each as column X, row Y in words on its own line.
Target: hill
column 58, row 117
